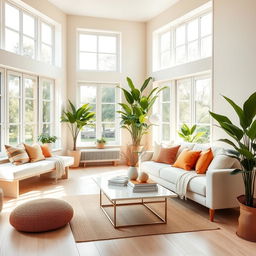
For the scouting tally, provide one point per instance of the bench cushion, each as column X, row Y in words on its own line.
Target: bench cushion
column 9, row 171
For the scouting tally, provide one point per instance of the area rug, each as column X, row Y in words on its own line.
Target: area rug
column 90, row 223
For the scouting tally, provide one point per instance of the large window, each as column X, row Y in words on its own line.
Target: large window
column 98, row 51
column 184, row 42
column 103, row 98
column 184, row 101
column 29, row 109
column 27, row 34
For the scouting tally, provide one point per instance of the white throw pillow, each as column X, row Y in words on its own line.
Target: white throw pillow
column 157, row 149
column 222, row 162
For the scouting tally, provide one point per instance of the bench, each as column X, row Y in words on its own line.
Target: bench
column 11, row 174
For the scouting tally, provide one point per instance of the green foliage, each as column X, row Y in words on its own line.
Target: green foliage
column 46, row 138
column 244, row 142
column 186, row 133
column 134, row 114
column 101, row 140
column 77, row 119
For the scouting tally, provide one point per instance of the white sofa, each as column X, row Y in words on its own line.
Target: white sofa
column 11, row 174
column 216, row 189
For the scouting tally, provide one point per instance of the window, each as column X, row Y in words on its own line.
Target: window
column 1, row 108
column 98, row 51
column 184, row 42
column 27, row 34
column 184, row 101
column 103, row 98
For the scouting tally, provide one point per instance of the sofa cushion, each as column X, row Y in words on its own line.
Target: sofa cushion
column 167, row 155
column 17, row 155
column 152, row 167
column 198, row 185
column 187, row 159
column 34, row 152
column 9, row 171
column 171, row 174
column 222, row 162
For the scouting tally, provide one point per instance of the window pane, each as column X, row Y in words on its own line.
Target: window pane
column 14, row 107
column 12, row 40
column 206, row 137
column 108, row 94
column 13, row 135
column 165, row 132
column 88, row 134
column 88, row 61
column 180, row 35
column 14, row 86
column 166, row 112
column 107, row 44
column 108, row 131
column 166, row 94
column 165, row 41
column 88, row 43
column 184, row 89
column 46, row 33
column 87, row 94
column 30, row 113
column 47, row 90
column 30, row 88
column 206, row 25
column 206, row 47
column 192, row 30
column 184, row 112
column 12, row 17
column 108, row 112
column 30, row 134
column 46, row 129
column 28, row 47
column 46, row 111
column 46, row 53
column 180, row 54
column 193, row 51
column 107, row 62
column 28, row 25
column 165, row 60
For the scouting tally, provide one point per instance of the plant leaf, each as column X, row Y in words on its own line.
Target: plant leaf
column 130, row 83
column 145, row 84
column 249, row 108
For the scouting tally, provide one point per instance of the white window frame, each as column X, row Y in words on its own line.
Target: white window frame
column 2, row 112
column 97, row 34
column 98, row 112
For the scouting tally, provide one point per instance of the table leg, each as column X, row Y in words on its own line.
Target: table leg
column 165, row 210
column 114, row 203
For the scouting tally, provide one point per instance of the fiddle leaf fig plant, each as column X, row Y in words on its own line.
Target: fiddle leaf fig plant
column 135, row 113
column 243, row 141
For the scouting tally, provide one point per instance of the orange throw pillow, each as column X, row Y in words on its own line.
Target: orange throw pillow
column 34, row 152
column 46, row 150
column 168, row 155
column 204, row 161
column 187, row 159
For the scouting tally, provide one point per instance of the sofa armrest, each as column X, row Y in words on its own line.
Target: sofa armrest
column 146, row 156
column 222, row 188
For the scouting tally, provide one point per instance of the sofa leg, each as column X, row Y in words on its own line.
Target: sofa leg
column 211, row 214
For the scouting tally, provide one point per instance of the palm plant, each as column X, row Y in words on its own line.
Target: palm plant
column 135, row 113
column 186, row 133
column 244, row 142
column 77, row 119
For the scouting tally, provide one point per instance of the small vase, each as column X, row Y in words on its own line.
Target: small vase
column 132, row 173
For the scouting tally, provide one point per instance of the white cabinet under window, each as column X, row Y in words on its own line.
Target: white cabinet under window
column 103, row 98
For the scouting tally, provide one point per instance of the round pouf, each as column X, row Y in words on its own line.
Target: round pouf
column 41, row 215
column 1, row 199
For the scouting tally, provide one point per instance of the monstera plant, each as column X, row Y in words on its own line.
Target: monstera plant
column 244, row 143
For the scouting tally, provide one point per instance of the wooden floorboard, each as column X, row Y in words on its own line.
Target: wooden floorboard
column 223, row 242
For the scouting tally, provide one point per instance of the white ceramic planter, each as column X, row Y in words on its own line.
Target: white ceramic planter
column 132, row 173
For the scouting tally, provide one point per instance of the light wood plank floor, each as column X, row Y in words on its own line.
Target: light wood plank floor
column 223, row 242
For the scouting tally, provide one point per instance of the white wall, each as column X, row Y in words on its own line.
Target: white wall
column 133, row 54
column 234, row 69
column 27, row 65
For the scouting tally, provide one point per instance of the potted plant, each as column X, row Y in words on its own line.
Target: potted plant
column 47, row 139
column 244, row 143
column 77, row 118
column 135, row 113
column 100, row 143
column 186, row 133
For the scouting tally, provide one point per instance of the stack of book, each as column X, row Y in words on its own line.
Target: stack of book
column 140, row 187
column 118, row 181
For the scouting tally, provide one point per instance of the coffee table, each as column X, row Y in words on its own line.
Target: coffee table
column 124, row 196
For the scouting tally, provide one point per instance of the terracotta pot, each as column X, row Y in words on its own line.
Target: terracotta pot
column 100, row 145
column 247, row 221
column 76, row 154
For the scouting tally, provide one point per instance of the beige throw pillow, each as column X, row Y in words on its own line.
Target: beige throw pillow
column 35, row 152
column 222, row 162
column 17, row 155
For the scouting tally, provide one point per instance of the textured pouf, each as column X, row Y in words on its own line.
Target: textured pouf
column 1, row 199
column 41, row 215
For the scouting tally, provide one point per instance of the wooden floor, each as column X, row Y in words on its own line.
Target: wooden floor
column 223, row 242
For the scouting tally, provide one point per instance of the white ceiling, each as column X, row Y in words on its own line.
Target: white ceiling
column 134, row 10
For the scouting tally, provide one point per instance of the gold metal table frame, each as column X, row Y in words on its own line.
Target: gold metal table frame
column 115, row 204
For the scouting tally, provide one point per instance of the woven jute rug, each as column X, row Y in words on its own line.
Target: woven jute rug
column 90, row 223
